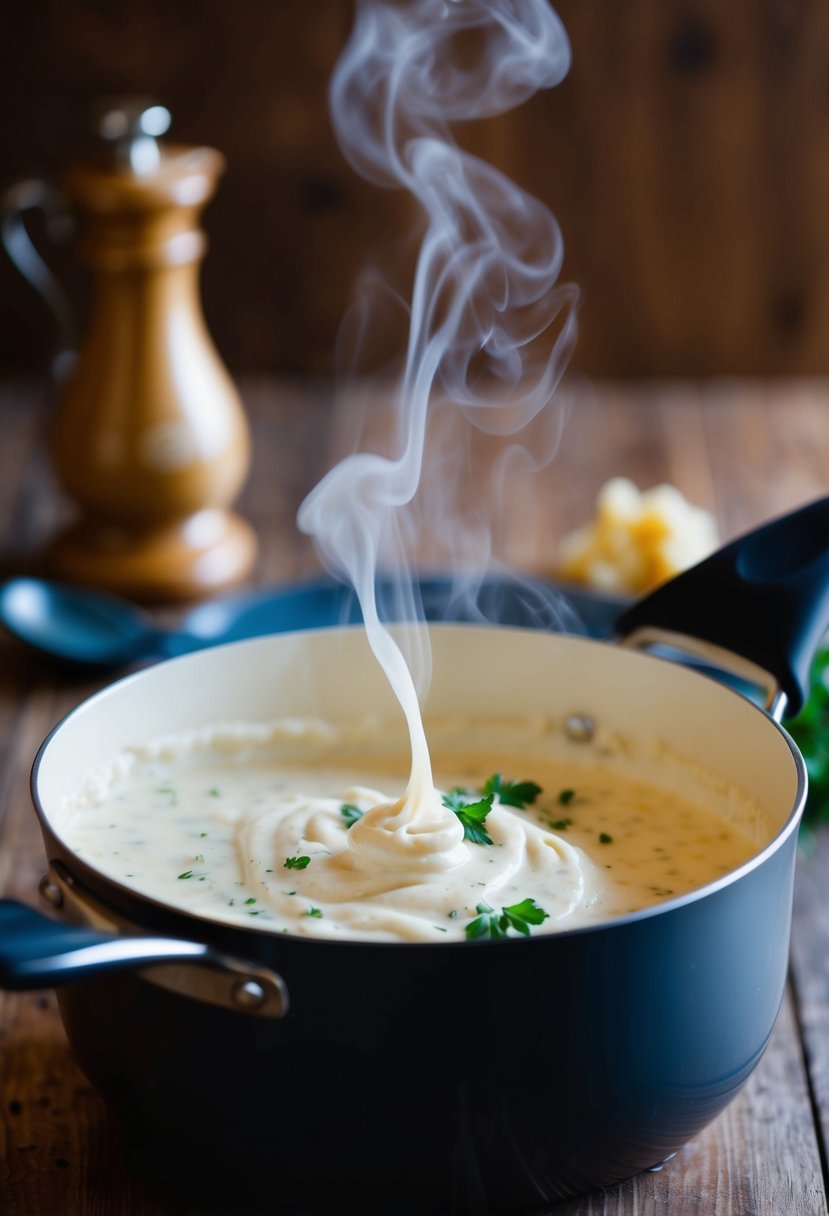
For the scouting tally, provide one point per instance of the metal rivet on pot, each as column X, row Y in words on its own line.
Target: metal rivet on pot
column 50, row 891
column 579, row 727
column 249, row 994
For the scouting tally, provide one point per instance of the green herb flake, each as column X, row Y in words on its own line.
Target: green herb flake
column 496, row 925
column 453, row 914
column 565, row 797
column 186, row 874
column 199, row 857
column 604, row 838
column 350, row 814
column 521, row 916
column 251, row 900
column 512, row 793
column 473, row 817
column 214, row 793
column 295, row 863
column 456, row 799
column 315, row 912
column 560, row 825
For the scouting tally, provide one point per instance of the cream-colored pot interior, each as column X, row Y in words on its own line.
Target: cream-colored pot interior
column 666, row 723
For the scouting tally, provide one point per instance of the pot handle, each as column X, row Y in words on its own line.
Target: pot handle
column 764, row 597
column 38, row 952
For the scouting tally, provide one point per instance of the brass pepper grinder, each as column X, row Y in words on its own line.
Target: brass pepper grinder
column 150, row 439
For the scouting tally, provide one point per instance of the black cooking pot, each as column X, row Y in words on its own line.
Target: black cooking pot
column 459, row 1077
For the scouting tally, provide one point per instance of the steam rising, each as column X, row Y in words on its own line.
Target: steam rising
column 490, row 330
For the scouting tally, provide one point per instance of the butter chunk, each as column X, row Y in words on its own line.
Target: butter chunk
column 637, row 540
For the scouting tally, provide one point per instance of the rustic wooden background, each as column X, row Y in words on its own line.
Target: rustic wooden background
column 686, row 157
column 745, row 450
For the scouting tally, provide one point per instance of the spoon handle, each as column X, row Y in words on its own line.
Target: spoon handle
column 170, row 643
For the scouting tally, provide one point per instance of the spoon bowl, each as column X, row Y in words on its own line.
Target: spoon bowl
column 76, row 624
column 95, row 629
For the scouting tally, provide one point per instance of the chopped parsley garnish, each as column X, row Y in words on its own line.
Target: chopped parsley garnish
column 560, row 825
column 512, row 793
column 456, row 799
column 314, row 912
column 350, row 814
column 199, row 857
column 186, row 874
column 604, row 838
column 472, row 816
column 565, row 797
column 252, row 900
column 496, row 925
column 214, row 793
column 295, row 863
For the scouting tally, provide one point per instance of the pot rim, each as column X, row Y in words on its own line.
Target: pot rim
column 789, row 826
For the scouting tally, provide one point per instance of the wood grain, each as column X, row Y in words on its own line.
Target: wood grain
column 686, row 157
column 810, row 976
column 745, row 449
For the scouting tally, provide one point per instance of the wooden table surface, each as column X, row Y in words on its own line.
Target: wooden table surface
column 747, row 451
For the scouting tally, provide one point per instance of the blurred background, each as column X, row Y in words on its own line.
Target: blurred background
column 686, row 157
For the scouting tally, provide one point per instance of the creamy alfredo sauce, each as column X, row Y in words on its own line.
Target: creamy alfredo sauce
column 287, row 827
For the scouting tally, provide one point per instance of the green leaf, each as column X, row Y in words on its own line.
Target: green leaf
column 295, row 863
column 473, row 817
column 565, row 797
column 350, row 814
column 487, row 924
column 186, row 874
column 316, row 912
column 521, row 916
column 496, row 925
column 512, row 793
column 456, row 799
